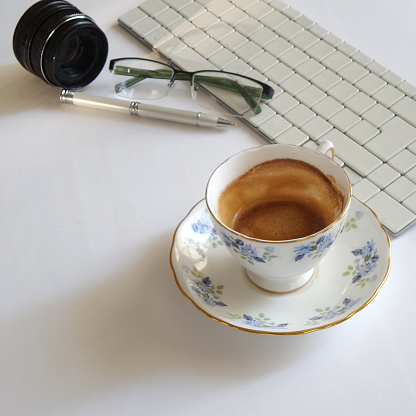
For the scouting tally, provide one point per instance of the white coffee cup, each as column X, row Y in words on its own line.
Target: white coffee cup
column 283, row 265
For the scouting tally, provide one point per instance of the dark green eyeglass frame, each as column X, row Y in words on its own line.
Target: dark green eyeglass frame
column 249, row 93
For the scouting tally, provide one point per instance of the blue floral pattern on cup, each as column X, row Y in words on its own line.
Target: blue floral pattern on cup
column 247, row 251
column 205, row 227
column 315, row 248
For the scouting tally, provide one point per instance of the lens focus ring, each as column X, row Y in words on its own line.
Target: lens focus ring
column 46, row 30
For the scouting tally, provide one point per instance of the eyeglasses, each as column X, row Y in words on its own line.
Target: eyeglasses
column 147, row 79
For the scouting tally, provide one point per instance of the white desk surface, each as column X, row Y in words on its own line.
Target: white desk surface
column 91, row 320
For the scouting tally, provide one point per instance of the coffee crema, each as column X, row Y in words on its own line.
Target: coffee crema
column 280, row 199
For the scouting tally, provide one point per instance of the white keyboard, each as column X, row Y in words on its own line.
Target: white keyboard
column 325, row 89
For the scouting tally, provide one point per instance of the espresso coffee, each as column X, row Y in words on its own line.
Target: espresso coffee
column 281, row 199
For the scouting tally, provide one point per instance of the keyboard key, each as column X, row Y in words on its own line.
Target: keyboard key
column 361, row 58
column 193, row 37
column 310, row 68
column 257, row 119
column 248, row 26
column 273, row 20
column 411, row 175
column 364, row 190
column 278, row 73
column 222, row 58
column 353, row 72
column 362, row 132
column 168, row 17
column 262, row 36
column 327, row 107
column 299, row 115
column 153, row 7
column 344, row 120
column 293, row 58
column 310, row 96
column 248, row 51
column 233, row 41
column 219, row 7
column 401, row 189
column 158, row 36
column 274, row 126
column 292, row 136
column 289, row 29
column 376, row 68
column 410, row 203
column 283, row 103
column 342, row 91
column 392, row 78
column 205, row 21
column 320, row 50
column 278, row 47
column 370, row 84
column 259, row 10
column 191, row 10
column 219, row 30
column 352, row 175
column 354, row 155
column 326, row 79
column 191, row 61
column 406, row 108
column 347, row 49
column 390, row 212
column 395, row 135
column 171, row 47
column 407, row 88
column 234, row 16
column 403, row 161
column 332, row 39
column 180, row 27
column 383, row 176
column 359, row 103
column 316, row 127
column 263, row 62
column 208, row 47
column 132, row 17
column 243, row 4
column 388, row 95
column 144, row 26
column 377, row 115
column 304, row 40
column 294, row 84
column 177, row 4
column 336, row 61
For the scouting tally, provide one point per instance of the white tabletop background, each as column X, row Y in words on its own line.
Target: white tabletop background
column 91, row 320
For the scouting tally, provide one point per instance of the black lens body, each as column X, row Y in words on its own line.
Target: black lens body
column 59, row 44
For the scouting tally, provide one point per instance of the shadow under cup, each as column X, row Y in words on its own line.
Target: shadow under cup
column 281, row 265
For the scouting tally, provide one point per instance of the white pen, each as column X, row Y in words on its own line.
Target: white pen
column 143, row 110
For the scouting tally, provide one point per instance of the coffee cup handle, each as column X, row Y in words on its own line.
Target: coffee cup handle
column 325, row 147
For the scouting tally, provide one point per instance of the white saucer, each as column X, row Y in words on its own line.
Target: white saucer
column 345, row 282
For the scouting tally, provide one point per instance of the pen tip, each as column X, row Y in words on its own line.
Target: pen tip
column 223, row 122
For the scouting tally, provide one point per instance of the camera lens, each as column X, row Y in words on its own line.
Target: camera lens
column 59, row 44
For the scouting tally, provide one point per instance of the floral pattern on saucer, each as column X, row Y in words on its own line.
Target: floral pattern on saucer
column 210, row 278
column 330, row 313
column 364, row 266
